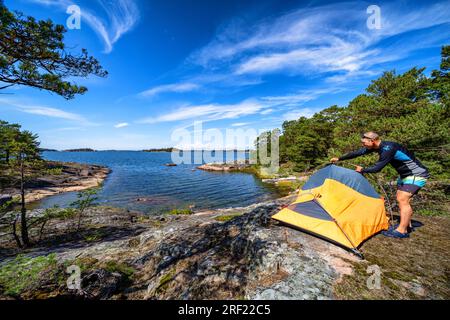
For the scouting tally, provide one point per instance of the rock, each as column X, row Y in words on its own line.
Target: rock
column 101, row 284
column 170, row 165
column 223, row 167
column 197, row 257
column 291, row 178
column 85, row 173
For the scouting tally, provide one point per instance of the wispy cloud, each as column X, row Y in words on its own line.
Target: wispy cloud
column 120, row 16
column 262, row 106
column 240, row 124
column 323, row 39
column 209, row 112
column 121, row 125
column 176, row 87
column 45, row 111
column 300, row 97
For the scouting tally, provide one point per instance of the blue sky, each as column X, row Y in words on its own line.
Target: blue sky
column 231, row 64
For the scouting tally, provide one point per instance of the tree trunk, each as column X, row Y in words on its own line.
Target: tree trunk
column 79, row 219
column 16, row 237
column 23, row 210
column 41, row 231
column 7, row 156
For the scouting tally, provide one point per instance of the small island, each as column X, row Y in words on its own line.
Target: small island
column 80, row 150
column 160, row 150
column 49, row 150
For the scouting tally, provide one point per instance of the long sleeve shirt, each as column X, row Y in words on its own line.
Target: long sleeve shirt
column 394, row 153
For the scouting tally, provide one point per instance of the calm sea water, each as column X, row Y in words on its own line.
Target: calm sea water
column 138, row 174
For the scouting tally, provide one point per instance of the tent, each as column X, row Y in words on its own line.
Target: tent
column 339, row 205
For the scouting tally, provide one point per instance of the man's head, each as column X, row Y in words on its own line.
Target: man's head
column 370, row 140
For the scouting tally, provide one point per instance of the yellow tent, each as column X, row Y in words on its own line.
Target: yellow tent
column 339, row 205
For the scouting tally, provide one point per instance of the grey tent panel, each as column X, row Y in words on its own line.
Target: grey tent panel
column 350, row 178
column 311, row 209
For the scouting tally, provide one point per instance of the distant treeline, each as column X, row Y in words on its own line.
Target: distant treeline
column 45, row 149
column 409, row 108
column 176, row 149
column 160, row 150
column 81, row 150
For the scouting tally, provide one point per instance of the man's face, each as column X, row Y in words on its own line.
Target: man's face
column 368, row 143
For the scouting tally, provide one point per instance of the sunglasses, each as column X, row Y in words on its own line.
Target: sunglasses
column 366, row 137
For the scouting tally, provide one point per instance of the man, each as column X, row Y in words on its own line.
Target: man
column 413, row 175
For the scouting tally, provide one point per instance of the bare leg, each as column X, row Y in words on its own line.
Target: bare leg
column 404, row 199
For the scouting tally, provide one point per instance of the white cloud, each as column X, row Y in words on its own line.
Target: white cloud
column 301, row 96
column 262, row 106
column 313, row 40
column 121, row 125
column 176, row 87
column 296, row 114
column 45, row 111
column 240, row 124
column 122, row 15
column 210, row 112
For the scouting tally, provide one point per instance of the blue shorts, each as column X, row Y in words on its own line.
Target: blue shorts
column 411, row 184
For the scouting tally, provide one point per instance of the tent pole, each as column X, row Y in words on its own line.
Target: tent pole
column 388, row 200
column 342, row 230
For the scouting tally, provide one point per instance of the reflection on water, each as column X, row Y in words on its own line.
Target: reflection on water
column 141, row 181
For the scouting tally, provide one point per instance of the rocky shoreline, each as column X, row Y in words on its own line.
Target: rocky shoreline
column 234, row 253
column 226, row 167
column 70, row 177
column 199, row 256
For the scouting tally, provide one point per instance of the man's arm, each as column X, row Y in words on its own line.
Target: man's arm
column 355, row 154
column 385, row 158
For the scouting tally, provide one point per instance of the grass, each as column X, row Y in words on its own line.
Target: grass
column 286, row 186
column 84, row 263
column 227, row 217
column 23, row 273
column 414, row 268
column 181, row 211
column 432, row 212
column 114, row 266
column 53, row 171
column 94, row 236
column 164, row 281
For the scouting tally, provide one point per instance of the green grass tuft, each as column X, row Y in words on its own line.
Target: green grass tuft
column 227, row 217
column 23, row 273
column 181, row 211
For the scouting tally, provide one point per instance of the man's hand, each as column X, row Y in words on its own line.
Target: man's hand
column 334, row 160
column 358, row 169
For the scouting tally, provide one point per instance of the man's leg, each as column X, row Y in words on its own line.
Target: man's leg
column 404, row 199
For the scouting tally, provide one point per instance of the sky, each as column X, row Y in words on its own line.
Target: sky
column 184, row 65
